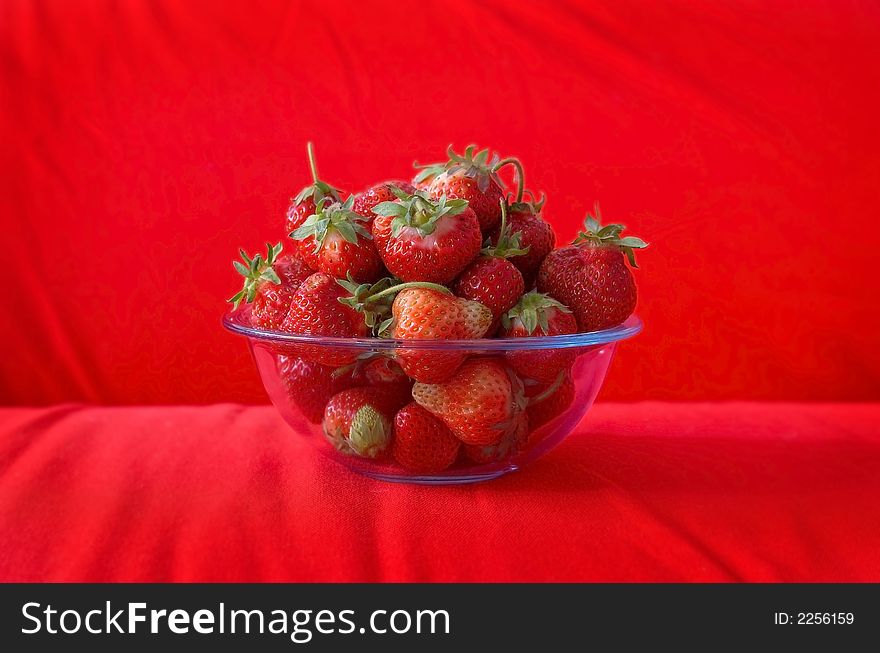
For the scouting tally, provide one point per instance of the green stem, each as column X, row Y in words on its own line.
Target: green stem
column 520, row 175
column 549, row 391
column 422, row 212
column 310, row 149
column 502, row 233
column 404, row 286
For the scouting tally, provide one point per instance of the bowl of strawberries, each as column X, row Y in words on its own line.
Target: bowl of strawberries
column 431, row 331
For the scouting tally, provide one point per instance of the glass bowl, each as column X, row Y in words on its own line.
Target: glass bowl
column 302, row 372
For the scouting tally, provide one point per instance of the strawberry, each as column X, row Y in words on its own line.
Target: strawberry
column 428, row 314
column 422, row 240
column 481, row 402
column 310, row 385
column 383, row 369
column 422, row 443
column 506, row 448
column 358, row 420
column 591, row 277
column 269, row 285
column 535, row 315
column 365, row 201
column 536, row 237
column 305, row 203
column 492, row 279
column 336, row 241
column 473, row 177
column 420, row 310
column 315, row 309
column 547, row 402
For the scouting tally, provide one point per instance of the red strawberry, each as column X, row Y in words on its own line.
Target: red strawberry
column 505, row 449
column 422, row 240
column 548, row 402
column 305, row 203
column 358, row 420
column 336, row 241
column 536, row 237
column 473, row 177
column 315, row 309
column 422, row 443
column 269, row 285
column 480, row 403
column 382, row 369
column 539, row 315
column 310, row 385
column 426, row 314
column 492, row 279
column 591, row 277
column 365, row 201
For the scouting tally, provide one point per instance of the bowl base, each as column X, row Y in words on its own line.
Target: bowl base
column 446, row 479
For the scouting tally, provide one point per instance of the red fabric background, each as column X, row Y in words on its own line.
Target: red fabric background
column 143, row 142
column 671, row 492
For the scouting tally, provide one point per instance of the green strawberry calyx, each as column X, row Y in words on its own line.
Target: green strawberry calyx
column 329, row 218
column 417, row 210
column 480, row 166
column 533, row 310
column 375, row 300
column 317, row 190
column 597, row 235
column 255, row 271
column 532, row 206
column 428, row 172
column 370, row 432
column 508, row 244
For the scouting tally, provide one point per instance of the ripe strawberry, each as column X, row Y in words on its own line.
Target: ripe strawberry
column 315, row 309
column 310, row 385
column 492, row 279
column 382, row 369
column 269, row 285
column 305, row 203
column 536, row 315
column 536, row 237
column 358, row 420
column 505, row 449
column 547, row 402
column 365, row 201
column 426, row 314
column 590, row 276
column 336, row 241
column 422, row 443
column 473, row 177
column 481, row 403
column 422, row 240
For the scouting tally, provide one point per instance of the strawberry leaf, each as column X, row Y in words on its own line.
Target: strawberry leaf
column 332, row 218
column 533, row 310
column 390, row 209
column 608, row 236
column 255, row 272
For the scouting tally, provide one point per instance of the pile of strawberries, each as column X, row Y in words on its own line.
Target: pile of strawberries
column 449, row 255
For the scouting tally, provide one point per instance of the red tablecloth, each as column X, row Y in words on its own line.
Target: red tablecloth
column 649, row 491
column 141, row 143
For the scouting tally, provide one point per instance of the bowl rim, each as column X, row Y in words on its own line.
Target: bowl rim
column 236, row 322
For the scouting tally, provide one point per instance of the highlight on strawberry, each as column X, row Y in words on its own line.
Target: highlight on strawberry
column 373, row 309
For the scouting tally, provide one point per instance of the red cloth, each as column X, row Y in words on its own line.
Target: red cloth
column 143, row 142
column 650, row 491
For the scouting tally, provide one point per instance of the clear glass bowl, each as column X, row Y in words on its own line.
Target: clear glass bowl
column 301, row 372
